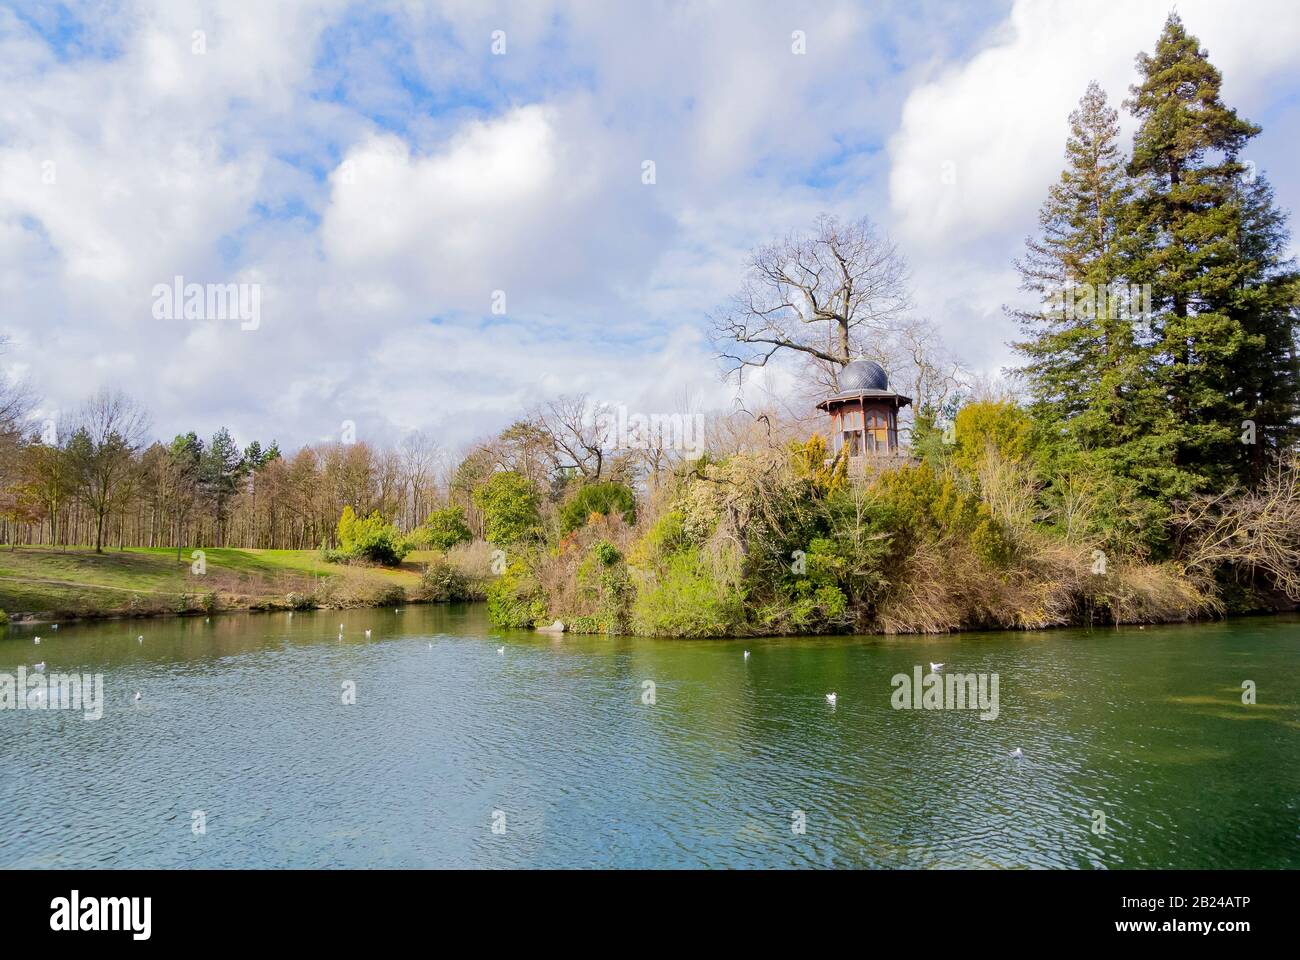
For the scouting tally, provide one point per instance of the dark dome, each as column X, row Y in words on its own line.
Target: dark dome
column 863, row 375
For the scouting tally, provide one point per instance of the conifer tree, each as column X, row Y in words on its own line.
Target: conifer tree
column 1087, row 367
column 1267, row 370
column 1186, row 222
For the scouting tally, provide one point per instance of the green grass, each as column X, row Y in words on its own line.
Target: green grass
column 76, row 581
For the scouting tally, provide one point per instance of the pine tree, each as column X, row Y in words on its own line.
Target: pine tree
column 1187, row 222
column 1267, row 371
column 1070, row 344
column 1088, row 371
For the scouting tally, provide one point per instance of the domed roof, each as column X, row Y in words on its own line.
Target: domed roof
column 863, row 375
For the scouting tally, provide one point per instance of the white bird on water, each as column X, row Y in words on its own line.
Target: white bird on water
column 138, row 696
column 367, row 633
column 501, row 651
column 55, row 627
column 140, row 639
column 40, row 667
column 935, row 667
column 38, row 640
column 1018, row 754
column 830, row 698
column 746, row 654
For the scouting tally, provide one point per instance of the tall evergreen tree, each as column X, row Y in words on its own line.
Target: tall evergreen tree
column 1071, row 346
column 1086, row 364
column 1187, row 221
column 1267, row 370
column 222, row 470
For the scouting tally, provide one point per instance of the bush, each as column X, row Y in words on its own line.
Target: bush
column 463, row 574
column 510, row 508
column 687, row 601
column 358, row 590
column 444, row 529
column 605, row 499
column 514, row 599
column 4, row 619
column 1003, row 426
column 370, row 539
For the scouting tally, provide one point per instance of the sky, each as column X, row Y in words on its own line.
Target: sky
column 444, row 206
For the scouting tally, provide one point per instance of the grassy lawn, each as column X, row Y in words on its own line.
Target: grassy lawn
column 78, row 582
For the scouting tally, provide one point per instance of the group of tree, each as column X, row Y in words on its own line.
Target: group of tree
column 1162, row 351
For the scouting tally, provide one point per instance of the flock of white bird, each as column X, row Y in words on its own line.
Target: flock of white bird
column 831, row 697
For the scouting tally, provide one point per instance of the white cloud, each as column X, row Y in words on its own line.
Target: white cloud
column 471, row 173
column 980, row 142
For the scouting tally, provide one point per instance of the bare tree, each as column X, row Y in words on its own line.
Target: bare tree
column 1257, row 531
column 823, row 296
column 579, row 430
column 921, row 363
column 110, row 429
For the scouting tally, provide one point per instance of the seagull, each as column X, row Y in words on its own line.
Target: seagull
column 501, row 651
column 40, row 667
column 1018, row 754
column 367, row 634
column 746, row 654
column 935, row 667
column 830, row 698
column 38, row 639
column 55, row 627
column 430, row 646
column 138, row 696
column 140, row 639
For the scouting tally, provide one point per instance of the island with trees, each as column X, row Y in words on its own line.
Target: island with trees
column 1138, row 465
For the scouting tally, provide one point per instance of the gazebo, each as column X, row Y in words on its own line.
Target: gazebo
column 864, row 413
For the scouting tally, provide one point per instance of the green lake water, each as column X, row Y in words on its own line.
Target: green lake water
column 550, row 741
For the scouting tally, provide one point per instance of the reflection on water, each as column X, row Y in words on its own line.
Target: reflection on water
column 242, row 718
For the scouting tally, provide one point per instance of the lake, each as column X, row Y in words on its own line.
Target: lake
column 472, row 747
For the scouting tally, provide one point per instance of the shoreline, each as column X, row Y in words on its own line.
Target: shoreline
column 47, row 617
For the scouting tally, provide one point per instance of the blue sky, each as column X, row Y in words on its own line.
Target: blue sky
column 381, row 173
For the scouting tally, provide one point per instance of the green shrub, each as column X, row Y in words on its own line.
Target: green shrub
column 1004, row 426
column 515, row 599
column 444, row 529
column 369, row 539
column 510, row 508
column 687, row 601
column 606, row 499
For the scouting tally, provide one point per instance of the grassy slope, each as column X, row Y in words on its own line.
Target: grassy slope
column 77, row 581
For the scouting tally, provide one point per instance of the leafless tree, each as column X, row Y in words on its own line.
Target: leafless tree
column 822, row 296
column 1256, row 531
column 921, row 364
column 110, row 428
column 580, row 431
